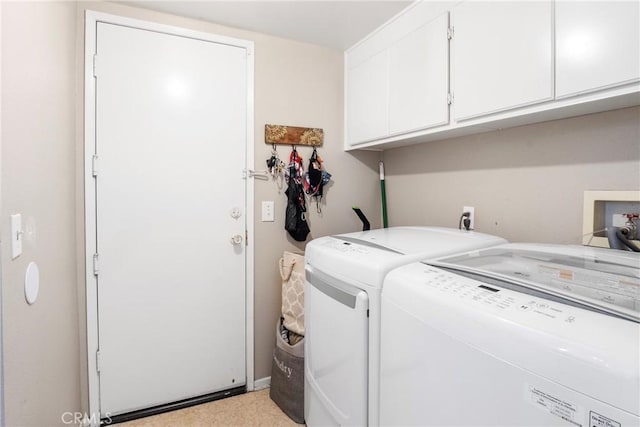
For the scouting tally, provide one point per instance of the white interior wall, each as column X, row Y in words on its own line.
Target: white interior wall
column 526, row 183
column 40, row 341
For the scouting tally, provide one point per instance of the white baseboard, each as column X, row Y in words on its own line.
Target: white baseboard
column 262, row 383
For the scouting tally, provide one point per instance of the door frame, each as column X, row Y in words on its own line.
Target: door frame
column 1, row 281
column 92, row 18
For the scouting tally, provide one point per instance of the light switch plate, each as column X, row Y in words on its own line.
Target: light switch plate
column 267, row 211
column 16, row 236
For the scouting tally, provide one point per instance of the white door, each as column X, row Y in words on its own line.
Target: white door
column 367, row 99
column 597, row 45
column 170, row 145
column 419, row 78
column 502, row 56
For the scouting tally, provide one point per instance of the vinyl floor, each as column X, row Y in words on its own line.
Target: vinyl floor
column 249, row 409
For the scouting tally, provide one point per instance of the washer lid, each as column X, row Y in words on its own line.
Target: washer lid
column 605, row 279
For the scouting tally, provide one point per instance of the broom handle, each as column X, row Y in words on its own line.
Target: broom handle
column 384, row 196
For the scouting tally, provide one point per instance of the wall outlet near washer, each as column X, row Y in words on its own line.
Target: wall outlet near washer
column 472, row 216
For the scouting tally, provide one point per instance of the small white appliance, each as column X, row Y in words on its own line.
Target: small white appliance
column 514, row 335
column 344, row 276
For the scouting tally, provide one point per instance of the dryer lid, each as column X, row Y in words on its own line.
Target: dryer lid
column 604, row 279
column 431, row 242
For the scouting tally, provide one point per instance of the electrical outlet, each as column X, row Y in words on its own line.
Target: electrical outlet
column 472, row 216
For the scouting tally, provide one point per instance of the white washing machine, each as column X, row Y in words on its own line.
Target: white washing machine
column 514, row 335
column 342, row 305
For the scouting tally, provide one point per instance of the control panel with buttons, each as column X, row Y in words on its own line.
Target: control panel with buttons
column 489, row 295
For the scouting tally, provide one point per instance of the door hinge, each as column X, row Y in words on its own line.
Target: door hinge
column 450, row 32
column 449, row 98
column 246, row 237
column 98, row 361
column 96, row 265
column 94, row 165
column 95, row 66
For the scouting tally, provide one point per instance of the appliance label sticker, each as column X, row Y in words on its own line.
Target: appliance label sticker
column 597, row 420
column 556, row 406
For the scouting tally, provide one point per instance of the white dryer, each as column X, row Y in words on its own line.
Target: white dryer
column 344, row 276
column 514, row 335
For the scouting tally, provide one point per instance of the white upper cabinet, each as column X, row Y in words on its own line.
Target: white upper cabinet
column 397, row 79
column 367, row 99
column 502, row 56
column 597, row 45
column 419, row 77
column 501, row 63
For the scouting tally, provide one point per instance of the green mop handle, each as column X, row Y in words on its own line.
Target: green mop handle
column 384, row 196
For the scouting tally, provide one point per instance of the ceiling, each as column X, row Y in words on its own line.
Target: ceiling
column 333, row 24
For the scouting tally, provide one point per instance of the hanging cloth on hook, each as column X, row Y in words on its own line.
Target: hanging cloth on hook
column 295, row 169
column 315, row 179
column 296, row 213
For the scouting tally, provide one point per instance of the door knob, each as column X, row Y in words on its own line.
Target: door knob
column 236, row 240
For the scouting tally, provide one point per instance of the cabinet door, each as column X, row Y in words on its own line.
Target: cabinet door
column 597, row 45
column 367, row 99
column 501, row 56
column 418, row 78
